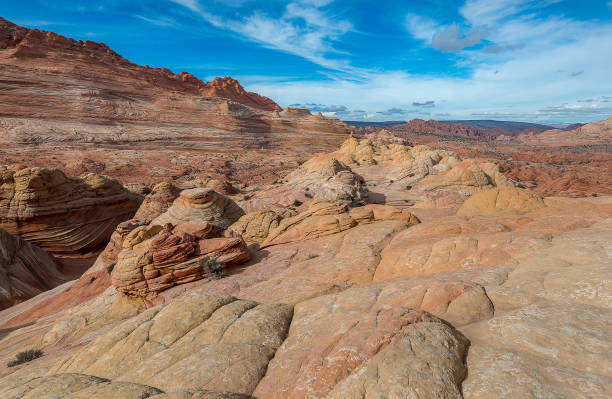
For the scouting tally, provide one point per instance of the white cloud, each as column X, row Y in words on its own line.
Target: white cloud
column 422, row 28
column 483, row 12
column 303, row 30
column 511, row 88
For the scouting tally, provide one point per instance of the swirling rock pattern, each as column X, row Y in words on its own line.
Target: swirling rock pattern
column 25, row 270
column 66, row 217
column 201, row 205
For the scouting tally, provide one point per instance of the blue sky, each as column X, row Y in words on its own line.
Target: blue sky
column 542, row 61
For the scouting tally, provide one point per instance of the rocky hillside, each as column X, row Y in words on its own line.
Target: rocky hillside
column 591, row 134
column 66, row 102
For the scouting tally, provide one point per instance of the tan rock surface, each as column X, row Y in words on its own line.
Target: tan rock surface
column 157, row 201
column 345, row 346
column 255, row 226
column 229, row 341
column 551, row 325
column 325, row 218
column 500, row 201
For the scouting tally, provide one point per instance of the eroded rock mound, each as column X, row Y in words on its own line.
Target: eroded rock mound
column 66, row 217
column 157, row 201
column 501, row 201
column 155, row 258
column 202, row 205
column 255, row 226
column 393, row 174
column 325, row 218
column 184, row 244
column 25, row 270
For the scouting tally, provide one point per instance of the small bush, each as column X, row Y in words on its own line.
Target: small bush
column 25, row 356
column 312, row 256
column 214, row 269
column 408, row 187
column 297, row 203
column 91, row 280
column 307, row 195
column 246, row 197
column 110, row 268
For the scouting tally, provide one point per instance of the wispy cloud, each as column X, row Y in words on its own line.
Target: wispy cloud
column 159, row 21
column 303, row 29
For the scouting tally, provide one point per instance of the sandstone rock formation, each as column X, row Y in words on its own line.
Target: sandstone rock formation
column 230, row 340
column 325, row 218
column 350, row 346
column 255, row 226
column 375, row 172
column 500, row 201
column 377, row 270
column 551, row 324
column 181, row 245
column 571, row 162
column 25, row 270
column 70, row 218
column 350, row 336
column 594, row 133
column 202, row 205
column 157, row 201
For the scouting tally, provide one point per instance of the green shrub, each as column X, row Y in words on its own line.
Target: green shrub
column 214, row 269
column 25, row 356
column 110, row 268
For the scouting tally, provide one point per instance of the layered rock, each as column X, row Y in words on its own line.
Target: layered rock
column 202, row 205
column 594, row 133
column 182, row 245
column 157, row 201
column 62, row 97
column 352, row 345
column 325, row 218
column 501, row 201
column 256, row 226
column 69, row 218
column 25, row 270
